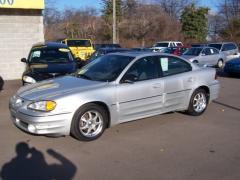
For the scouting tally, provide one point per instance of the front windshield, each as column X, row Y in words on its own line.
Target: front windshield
column 44, row 55
column 217, row 46
column 193, row 52
column 105, row 68
column 79, row 43
column 161, row 45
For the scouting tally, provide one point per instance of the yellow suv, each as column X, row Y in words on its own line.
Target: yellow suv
column 81, row 48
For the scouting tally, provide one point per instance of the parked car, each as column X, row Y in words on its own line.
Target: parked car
column 199, row 45
column 232, row 67
column 175, row 50
column 1, row 83
column 229, row 49
column 98, row 46
column 205, row 55
column 114, row 89
column 48, row 60
column 141, row 49
column 81, row 48
column 102, row 51
column 163, row 44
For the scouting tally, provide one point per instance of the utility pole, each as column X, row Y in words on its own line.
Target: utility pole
column 114, row 23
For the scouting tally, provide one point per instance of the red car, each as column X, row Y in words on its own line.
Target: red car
column 179, row 50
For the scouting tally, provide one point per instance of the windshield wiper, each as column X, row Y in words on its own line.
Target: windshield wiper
column 84, row 76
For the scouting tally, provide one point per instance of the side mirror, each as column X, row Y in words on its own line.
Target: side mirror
column 24, row 60
column 203, row 54
column 129, row 79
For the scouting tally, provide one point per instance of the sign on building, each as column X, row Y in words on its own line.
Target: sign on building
column 22, row 4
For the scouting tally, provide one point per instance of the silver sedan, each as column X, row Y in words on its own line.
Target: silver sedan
column 205, row 55
column 113, row 89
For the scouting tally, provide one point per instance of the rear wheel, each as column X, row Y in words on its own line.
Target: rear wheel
column 89, row 122
column 198, row 102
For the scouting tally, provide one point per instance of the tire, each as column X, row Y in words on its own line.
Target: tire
column 195, row 61
column 84, row 127
column 220, row 64
column 194, row 108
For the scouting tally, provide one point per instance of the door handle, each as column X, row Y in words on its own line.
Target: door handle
column 155, row 86
column 191, row 79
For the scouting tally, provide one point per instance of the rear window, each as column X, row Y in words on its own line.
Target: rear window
column 79, row 43
column 161, row 45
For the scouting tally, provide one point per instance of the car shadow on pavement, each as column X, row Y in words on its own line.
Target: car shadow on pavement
column 226, row 105
column 30, row 164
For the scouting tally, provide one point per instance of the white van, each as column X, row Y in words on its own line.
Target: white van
column 164, row 44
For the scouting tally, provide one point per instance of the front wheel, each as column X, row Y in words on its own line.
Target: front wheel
column 198, row 102
column 89, row 122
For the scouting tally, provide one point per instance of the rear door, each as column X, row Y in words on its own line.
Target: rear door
column 139, row 93
column 178, row 80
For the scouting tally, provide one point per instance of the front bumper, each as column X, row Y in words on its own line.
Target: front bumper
column 45, row 125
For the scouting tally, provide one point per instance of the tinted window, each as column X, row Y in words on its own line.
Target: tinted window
column 78, row 43
column 215, row 51
column 105, row 68
column 144, row 69
column 161, row 45
column 193, row 51
column 207, row 51
column 179, row 44
column 217, row 46
column 173, row 65
column 44, row 55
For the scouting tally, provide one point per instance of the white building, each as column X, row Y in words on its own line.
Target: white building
column 21, row 26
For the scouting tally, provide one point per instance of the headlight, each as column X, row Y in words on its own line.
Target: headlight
column 45, row 106
column 28, row 79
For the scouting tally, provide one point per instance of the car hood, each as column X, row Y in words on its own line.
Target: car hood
column 58, row 86
column 188, row 57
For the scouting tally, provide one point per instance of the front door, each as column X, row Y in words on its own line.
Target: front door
column 139, row 93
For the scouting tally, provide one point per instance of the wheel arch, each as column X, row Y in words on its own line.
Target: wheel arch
column 101, row 104
column 206, row 88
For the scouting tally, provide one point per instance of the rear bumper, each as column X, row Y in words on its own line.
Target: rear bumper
column 47, row 125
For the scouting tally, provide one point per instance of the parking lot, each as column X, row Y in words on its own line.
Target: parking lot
column 169, row 146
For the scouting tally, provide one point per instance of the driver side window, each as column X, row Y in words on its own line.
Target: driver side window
column 143, row 69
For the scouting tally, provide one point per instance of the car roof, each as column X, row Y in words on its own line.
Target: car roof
column 169, row 41
column 222, row 43
column 50, row 45
column 139, row 54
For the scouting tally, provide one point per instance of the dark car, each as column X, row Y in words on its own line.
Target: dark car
column 176, row 50
column 48, row 60
column 232, row 67
column 98, row 46
column 102, row 51
column 142, row 49
column 199, row 45
column 1, row 83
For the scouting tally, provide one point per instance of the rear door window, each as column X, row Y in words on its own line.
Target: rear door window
column 173, row 65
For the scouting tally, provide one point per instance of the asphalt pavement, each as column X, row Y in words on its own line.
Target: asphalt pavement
column 171, row 146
